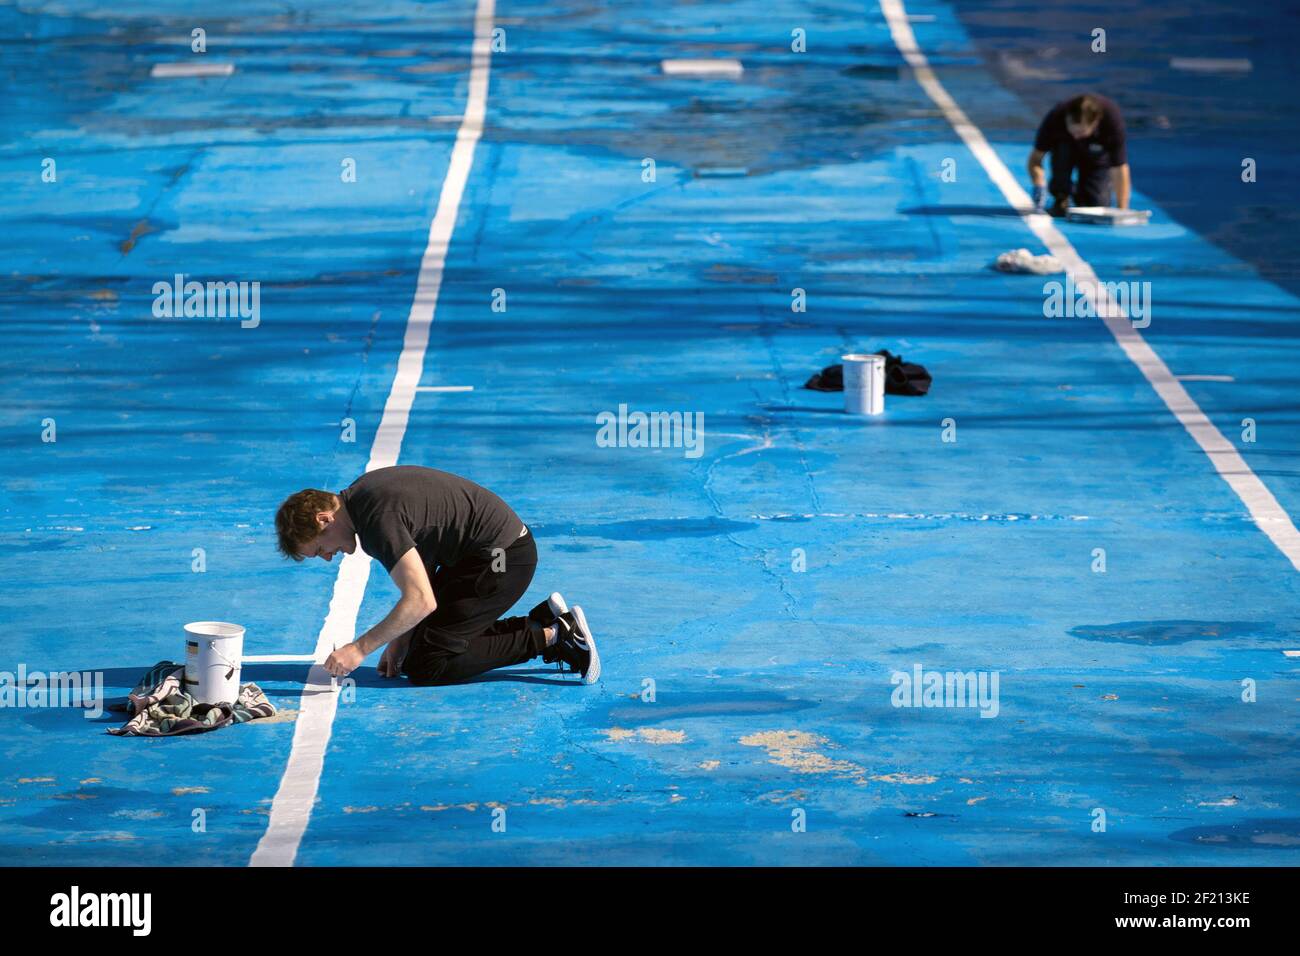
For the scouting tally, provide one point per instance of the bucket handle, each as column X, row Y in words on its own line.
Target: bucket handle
column 212, row 646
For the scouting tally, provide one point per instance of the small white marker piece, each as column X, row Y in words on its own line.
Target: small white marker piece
column 274, row 658
column 731, row 68
column 168, row 71
column 1210, row 65
column 1205, row 378
column 444, row 388
column 1292, row 653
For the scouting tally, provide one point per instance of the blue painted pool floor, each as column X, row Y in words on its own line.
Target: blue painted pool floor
column 763, row 593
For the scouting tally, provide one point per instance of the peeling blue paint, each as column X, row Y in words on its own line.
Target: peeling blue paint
column 1120, row 691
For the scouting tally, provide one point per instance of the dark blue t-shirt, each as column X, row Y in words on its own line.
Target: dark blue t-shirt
column 1108, row 144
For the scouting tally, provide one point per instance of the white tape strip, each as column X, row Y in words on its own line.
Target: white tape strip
column 292, row 806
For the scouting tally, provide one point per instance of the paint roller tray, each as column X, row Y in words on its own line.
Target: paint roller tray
column 1108, row 215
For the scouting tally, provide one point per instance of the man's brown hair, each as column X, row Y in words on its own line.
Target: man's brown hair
column 295, row 523
column 1085, row 111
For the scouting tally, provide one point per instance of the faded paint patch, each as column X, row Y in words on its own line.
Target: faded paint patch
column 784, row 796
column 114, row 837
column 798, row 751
column 141, row 228
column 184, row 791
column 35, row 779
column 139, row 814
column 646, row 735
column 710, row 764
column 908, row 778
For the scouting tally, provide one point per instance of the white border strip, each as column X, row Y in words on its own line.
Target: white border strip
column 292, row 806
column 1232, row 468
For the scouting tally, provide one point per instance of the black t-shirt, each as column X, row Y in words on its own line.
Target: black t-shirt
column 1108, row 144
column 445, row 517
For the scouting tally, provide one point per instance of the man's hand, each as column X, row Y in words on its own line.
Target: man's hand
column 390, row 664
column 344, row 660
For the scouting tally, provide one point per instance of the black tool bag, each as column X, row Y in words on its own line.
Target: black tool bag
column 901, row 378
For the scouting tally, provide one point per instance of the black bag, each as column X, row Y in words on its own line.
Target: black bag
column 901, row 378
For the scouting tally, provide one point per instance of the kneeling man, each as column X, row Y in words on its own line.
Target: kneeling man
column 461, row 559
column 1084, row 133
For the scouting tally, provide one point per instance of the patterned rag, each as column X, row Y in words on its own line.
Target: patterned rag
column 1022, row 260
column 160, row 708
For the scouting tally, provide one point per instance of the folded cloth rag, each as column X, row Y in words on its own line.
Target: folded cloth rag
column 159, row 707
column 901, row 378
column 1022, row 260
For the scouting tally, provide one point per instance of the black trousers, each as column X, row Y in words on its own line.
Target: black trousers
column 464, row 636
column 1093, row 188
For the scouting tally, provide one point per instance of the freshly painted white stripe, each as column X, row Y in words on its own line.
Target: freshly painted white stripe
column 1197, row 64
column 1206, row 378
column 704, row 67
column 272, row 658
column 1232, row 468
column 444, row 388
column 188, row 68
column 291, row 809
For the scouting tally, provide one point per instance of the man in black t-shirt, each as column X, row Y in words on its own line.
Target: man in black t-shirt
column 461, row 558
column 1084, row 133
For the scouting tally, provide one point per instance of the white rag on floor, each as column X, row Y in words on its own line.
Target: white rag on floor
column 1022, row 260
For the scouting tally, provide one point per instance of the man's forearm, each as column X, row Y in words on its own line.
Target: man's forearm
column 407, row 613
column 1037, row 175
column 1122, row 183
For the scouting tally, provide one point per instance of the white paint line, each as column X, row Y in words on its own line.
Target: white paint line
column 1292, row 653
column 444, row 388
column 1206, row 378
column 1197, row 64
column 705, row 67
column 1232, row 468
column 273, row 658
column 291, row 809
column 188, row 68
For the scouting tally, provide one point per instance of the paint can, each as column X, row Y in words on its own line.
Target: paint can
column 864, row 384
column 213, row 652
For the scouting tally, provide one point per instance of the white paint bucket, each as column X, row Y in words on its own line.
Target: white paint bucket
column 864, row 384
column 213, row 651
